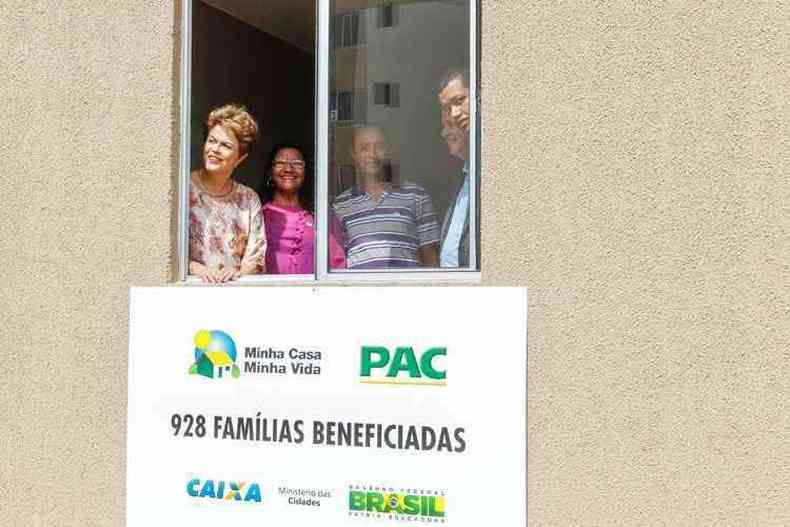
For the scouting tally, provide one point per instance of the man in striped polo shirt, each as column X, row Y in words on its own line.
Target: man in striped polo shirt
column 385, row 225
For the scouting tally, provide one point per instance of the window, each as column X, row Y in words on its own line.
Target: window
column 386, row 94
column 374, row 104
column 346, row 30
column 387, row 16
column 347, row 106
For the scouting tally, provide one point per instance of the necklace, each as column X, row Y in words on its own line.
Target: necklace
column 223, row 193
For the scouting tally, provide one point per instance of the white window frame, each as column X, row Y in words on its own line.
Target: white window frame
column 323, row 275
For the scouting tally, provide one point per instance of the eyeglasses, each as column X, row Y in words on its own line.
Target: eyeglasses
column 293, row 164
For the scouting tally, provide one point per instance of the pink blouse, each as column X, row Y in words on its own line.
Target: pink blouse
column 290, row 234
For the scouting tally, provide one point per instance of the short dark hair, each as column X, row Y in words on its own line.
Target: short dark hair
column 452, row 73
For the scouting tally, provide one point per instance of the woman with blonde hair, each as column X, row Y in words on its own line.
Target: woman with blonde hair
column 226, row 231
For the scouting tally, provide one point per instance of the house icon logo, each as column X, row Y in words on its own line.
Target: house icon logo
column 215, row 355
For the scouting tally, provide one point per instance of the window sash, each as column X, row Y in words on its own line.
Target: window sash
column 322, row 106
column 185, row 110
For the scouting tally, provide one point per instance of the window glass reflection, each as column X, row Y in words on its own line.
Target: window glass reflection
column 399, row 133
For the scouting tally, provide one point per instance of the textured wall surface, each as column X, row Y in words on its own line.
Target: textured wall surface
column 86, row 95
column 635, row 160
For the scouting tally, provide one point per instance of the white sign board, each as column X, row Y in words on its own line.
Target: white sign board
column 327, row 407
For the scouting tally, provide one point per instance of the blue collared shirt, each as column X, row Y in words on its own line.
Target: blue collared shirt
column 452, row 242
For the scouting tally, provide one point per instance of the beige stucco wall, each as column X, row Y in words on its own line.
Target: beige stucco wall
column 86, row 95
column 636, row 178
column 635, row 162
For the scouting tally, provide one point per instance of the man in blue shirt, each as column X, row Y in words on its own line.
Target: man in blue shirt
column 454, row 103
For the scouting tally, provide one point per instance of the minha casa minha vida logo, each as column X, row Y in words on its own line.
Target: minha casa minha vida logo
column 216, row 358
column 215, row 355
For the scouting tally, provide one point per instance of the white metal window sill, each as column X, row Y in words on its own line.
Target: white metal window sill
column 392, row 278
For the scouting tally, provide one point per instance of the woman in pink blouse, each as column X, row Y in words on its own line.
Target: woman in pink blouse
column 226, row 231
column 290, row 227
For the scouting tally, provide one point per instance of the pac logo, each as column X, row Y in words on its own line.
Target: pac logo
column 222, row 490
column 404, row 366
column 424, row 506
column 215, row 355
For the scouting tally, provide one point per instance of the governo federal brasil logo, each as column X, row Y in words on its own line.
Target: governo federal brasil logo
column 405, row 504
column 215, row 355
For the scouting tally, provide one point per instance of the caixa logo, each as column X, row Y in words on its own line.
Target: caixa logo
column 403, row 366
column 224, row 490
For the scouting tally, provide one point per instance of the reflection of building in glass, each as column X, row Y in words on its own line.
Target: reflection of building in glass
column 386, row 94
column 346, row 31
column 347, row 107
column 384, row 67
column 387, row 16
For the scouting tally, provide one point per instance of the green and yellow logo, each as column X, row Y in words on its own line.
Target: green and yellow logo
column 402, row 505
column 215, row 355
column 404, row 366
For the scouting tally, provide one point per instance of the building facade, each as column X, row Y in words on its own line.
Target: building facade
column 632, row 175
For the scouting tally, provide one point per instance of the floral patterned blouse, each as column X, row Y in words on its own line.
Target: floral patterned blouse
column 226, row 231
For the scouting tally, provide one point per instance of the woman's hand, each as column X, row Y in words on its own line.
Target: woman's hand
column 226, row 275
column 213, row 276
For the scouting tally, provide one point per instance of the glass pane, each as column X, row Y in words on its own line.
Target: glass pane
column 252, row 135
column 399, row 142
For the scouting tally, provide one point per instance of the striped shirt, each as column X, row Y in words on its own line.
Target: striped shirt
column 390, row 233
